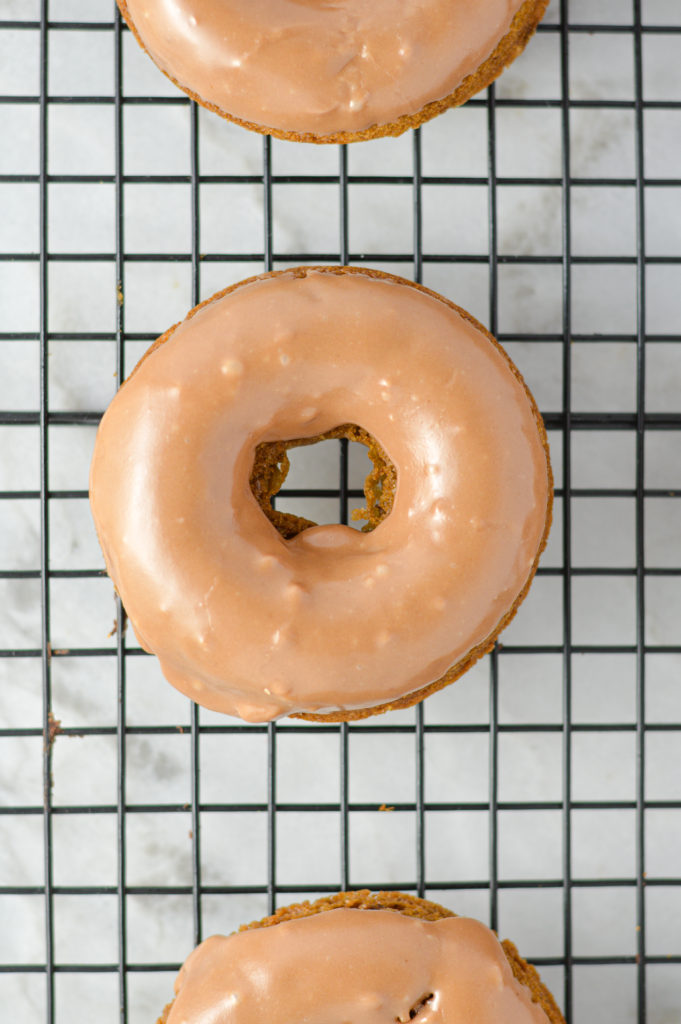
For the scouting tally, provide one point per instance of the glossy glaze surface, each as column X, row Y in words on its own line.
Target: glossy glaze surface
column 364, row 966
column 321, row 66
column 248, row 623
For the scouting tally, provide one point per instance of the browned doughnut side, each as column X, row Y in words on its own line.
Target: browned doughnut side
column 271, row 466
column 528, row 975
column 487, row 644
column 410, row 906
column 522, row 28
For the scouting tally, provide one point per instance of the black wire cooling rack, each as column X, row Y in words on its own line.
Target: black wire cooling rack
column 563, row 423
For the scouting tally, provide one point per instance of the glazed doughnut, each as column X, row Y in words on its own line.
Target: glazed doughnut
column 315, row 71
column 360, row 957
column 262, row 615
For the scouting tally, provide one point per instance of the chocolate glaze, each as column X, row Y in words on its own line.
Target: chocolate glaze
column 248, row 623
column 364, row 966
column 320, row 66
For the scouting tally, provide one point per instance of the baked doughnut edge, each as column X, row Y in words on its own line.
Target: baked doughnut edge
column 410, row 906
column 522, row 29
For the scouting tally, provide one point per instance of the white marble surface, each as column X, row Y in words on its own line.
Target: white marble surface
column 382, row 766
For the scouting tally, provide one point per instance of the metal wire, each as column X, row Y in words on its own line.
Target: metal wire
column 566, row 421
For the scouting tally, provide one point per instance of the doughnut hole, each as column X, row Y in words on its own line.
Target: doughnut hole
column 271, row 466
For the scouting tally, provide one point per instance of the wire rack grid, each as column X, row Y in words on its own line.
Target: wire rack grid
column 530, row 863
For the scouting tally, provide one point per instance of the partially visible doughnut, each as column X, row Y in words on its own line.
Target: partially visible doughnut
column 316, row 71
column 363, row 957
column 261, row 615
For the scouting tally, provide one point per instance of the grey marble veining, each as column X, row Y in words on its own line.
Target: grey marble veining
column 82, row 301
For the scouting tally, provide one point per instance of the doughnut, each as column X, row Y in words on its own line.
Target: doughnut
column 342, row 71
column 361, row 957
column 260, row 614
